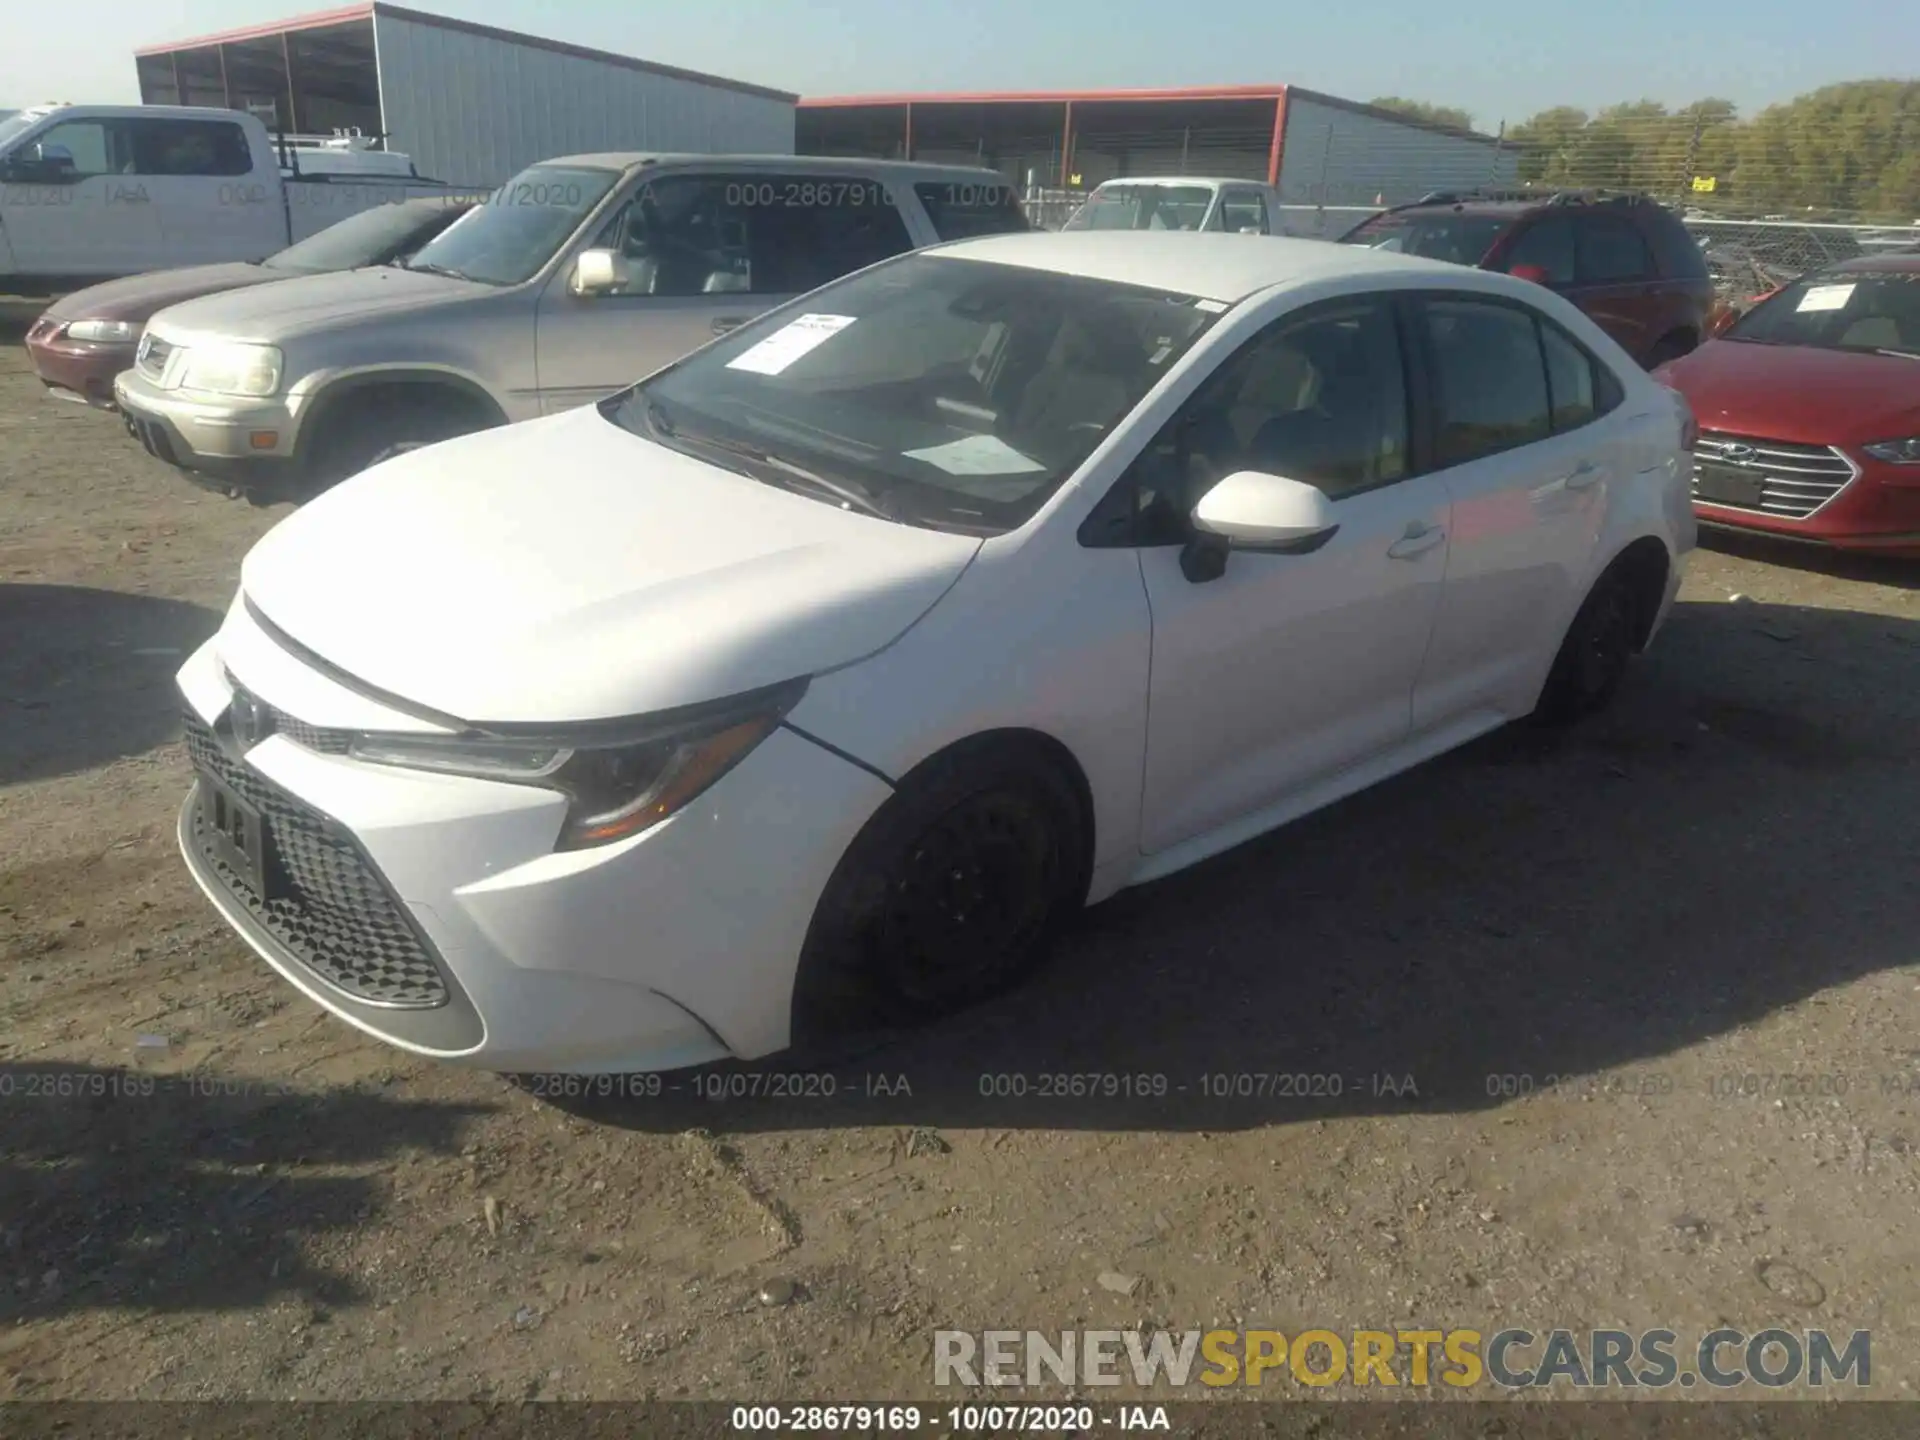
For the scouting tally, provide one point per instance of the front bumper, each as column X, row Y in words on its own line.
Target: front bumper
column 76, row 369
column 1878, row 511
column 231, row 443
column 675, row 947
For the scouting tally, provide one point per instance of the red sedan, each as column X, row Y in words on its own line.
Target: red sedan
column 1809, row 410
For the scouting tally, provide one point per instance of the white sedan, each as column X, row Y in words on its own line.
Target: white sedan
column 816, row 681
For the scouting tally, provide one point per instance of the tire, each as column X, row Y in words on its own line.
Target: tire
column 1669, row 347
column 953, row 893
column 362, row 436
column 1593, row 658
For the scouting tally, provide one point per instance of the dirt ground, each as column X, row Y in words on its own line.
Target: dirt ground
column 209, row 1188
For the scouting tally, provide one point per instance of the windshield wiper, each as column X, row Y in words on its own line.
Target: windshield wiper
column 1903, row 354
column 432, row 269
column 848, row 495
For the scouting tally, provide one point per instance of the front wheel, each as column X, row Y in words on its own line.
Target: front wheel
column 364, row 436
column 952, row 893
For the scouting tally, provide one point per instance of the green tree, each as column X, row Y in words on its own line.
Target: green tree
column 1420, row 110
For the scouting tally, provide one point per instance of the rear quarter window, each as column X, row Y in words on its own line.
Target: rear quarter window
column 1675, row 250
column 963, row 209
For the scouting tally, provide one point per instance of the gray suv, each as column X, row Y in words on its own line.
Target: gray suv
column 577, row 277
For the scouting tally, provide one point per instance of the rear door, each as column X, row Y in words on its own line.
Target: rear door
column 209, row 202
column 1521, row 427
column 1616, row 282
column 703, row 253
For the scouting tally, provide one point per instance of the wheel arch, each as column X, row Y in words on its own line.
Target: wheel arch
column 1646, row 565
column 445, row 386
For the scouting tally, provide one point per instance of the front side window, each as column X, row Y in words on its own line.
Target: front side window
column 1490, row 380
column 1548, row 244
column 508, row 237
column 687, row 235
column 1143, row 207
column 189, row 147
column 1612, row 251
column 938, row 391
column 1864, row 310
column 1318, row 397
column 77, row 150
column 1242, row 211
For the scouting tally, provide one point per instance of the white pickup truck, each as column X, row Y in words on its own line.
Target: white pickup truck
column 1181, row 202
column 94, row 192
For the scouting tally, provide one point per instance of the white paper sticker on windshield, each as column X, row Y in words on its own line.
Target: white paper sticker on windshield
column 1825, row 297
column 977, row 455
column 1212, row 307
column 789, row 343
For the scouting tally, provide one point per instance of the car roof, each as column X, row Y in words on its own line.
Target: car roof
column 1175, row 180
column 1183, row 262
column 625, row 160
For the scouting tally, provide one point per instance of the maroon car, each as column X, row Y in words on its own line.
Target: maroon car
column 85, row 339
column 1626, row 260
column 1809, row 410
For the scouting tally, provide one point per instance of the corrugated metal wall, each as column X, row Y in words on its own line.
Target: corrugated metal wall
column 1335, row 156
column 474, row 110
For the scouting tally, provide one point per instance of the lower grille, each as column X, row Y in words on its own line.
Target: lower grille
column 1769, row 477
column 337, row 917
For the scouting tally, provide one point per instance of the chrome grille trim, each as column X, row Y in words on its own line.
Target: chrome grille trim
column 1799, row 480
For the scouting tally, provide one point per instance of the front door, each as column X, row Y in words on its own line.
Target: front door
column 701, row 254
column 73, row 206
column 1288, row 668
column 209, row 204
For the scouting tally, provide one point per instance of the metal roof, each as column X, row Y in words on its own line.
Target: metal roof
column 325, row 19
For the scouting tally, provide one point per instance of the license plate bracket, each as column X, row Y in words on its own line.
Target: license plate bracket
column 1725, row 485
column 237, row 834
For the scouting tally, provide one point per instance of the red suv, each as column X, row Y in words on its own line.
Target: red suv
column 1624, row 259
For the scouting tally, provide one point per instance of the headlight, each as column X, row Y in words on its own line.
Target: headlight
column 620, row 777
column 231, row 370
column 104, row 332
column 1896, row 452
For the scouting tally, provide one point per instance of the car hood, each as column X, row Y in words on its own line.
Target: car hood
column 306, row 303
column 138, row 296
column 1799, row 393
column 564, row 569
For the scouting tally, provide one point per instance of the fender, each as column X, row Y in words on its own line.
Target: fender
column 340, row 387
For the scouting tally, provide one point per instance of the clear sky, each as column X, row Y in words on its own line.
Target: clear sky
column 1498, row 59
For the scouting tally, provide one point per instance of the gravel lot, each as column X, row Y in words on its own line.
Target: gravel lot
column 1714, row 882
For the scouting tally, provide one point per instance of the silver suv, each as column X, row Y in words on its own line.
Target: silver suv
column 577, row 277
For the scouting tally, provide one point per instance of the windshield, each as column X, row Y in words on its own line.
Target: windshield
column 1460, row 239
column 373, row 237
column 1143, row 207
column 944, row 392
column 516, row 230
column 1871, row 310
column 14, row 125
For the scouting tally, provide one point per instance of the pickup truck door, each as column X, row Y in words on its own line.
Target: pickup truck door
column 215, row 192
column 700, row 253
column 71, row 205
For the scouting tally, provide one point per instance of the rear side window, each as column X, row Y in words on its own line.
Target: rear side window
column 1674, row 246
column 1490, row 380
column 1243, row 210
column 1612, row 251
column 1547, row 243
column 1579, row 388
column 189, row 147
column 962, row 209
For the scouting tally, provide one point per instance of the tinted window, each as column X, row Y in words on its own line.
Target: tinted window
column 1547, row 243
column 1489, row 380
column 1571, row 379
column 753, row 234
column 189, row 147
column 963, row 209
column 1460, row 239
column 1243, row 210
column 953, row 392
column 1612, row 250
column 1674, row 247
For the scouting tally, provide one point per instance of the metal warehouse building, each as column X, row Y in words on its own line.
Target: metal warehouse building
column 470, row 103
column 1318, row 150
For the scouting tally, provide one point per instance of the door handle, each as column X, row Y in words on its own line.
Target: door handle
column 1416, row 542
column 728, row 322
column 1582, row 475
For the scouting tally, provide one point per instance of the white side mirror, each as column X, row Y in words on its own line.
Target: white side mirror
column 595, row 272
column 1254, row 511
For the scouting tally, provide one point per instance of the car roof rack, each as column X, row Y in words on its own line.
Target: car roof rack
column 1490, row 195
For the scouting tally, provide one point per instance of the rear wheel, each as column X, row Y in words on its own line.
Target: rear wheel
column 1594, row 656
column 952, row 893
column 1670, row 347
